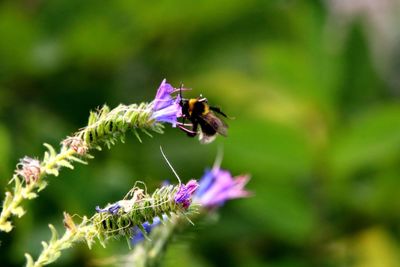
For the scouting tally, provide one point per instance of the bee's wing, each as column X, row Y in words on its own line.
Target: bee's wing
column 216, row 123
column 206, row 139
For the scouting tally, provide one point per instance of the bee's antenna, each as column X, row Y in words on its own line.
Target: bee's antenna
column 218, row 159
column 169, row 164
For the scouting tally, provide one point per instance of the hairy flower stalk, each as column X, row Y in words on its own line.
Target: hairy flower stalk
column 73, row 234
column 215, row 188
column 105, row 127
column 120, row 219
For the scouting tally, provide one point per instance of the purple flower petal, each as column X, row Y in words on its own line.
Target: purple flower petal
column 218, row 186
column 163, row 97
column 185, row 192
column 112, row 209
column 205, row 183
column 165, row 107
column 169, row 113
column 138, row 236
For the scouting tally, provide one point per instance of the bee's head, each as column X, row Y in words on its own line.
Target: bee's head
column 184, row 103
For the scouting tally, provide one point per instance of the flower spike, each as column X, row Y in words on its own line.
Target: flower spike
column 132, row 218
column 105, row 127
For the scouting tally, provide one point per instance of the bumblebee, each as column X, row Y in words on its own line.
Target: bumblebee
column 199, row 113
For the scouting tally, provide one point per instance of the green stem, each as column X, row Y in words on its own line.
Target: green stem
column 52, row 163
column 27, row 191
column 52, row 250
column 104, row 127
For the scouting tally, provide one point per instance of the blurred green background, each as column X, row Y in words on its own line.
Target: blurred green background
column 314, row 88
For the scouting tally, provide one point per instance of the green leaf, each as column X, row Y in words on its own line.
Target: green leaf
column 6, row 226
column 52, row 171
column 19, row 212
column 51, row 149
column 92, row 118
column 30, row 195
column 29, row 260
column 18, row 185
column 7, row 200
column 42, row 185
column 77, row 160
column 66, row 164
column 146, row 132
column 46, row 156
column 54, row 234
column 136, row 134
column 44, row 245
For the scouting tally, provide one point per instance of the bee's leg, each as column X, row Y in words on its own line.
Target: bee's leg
column 193, row 132
column 187, row 131
column 218, row 110
column 183, row 122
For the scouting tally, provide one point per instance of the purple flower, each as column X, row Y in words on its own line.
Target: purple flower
column 165, row 107
column 185, row 192
column 217, row 186
column 138, row 235
column 112, row 209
